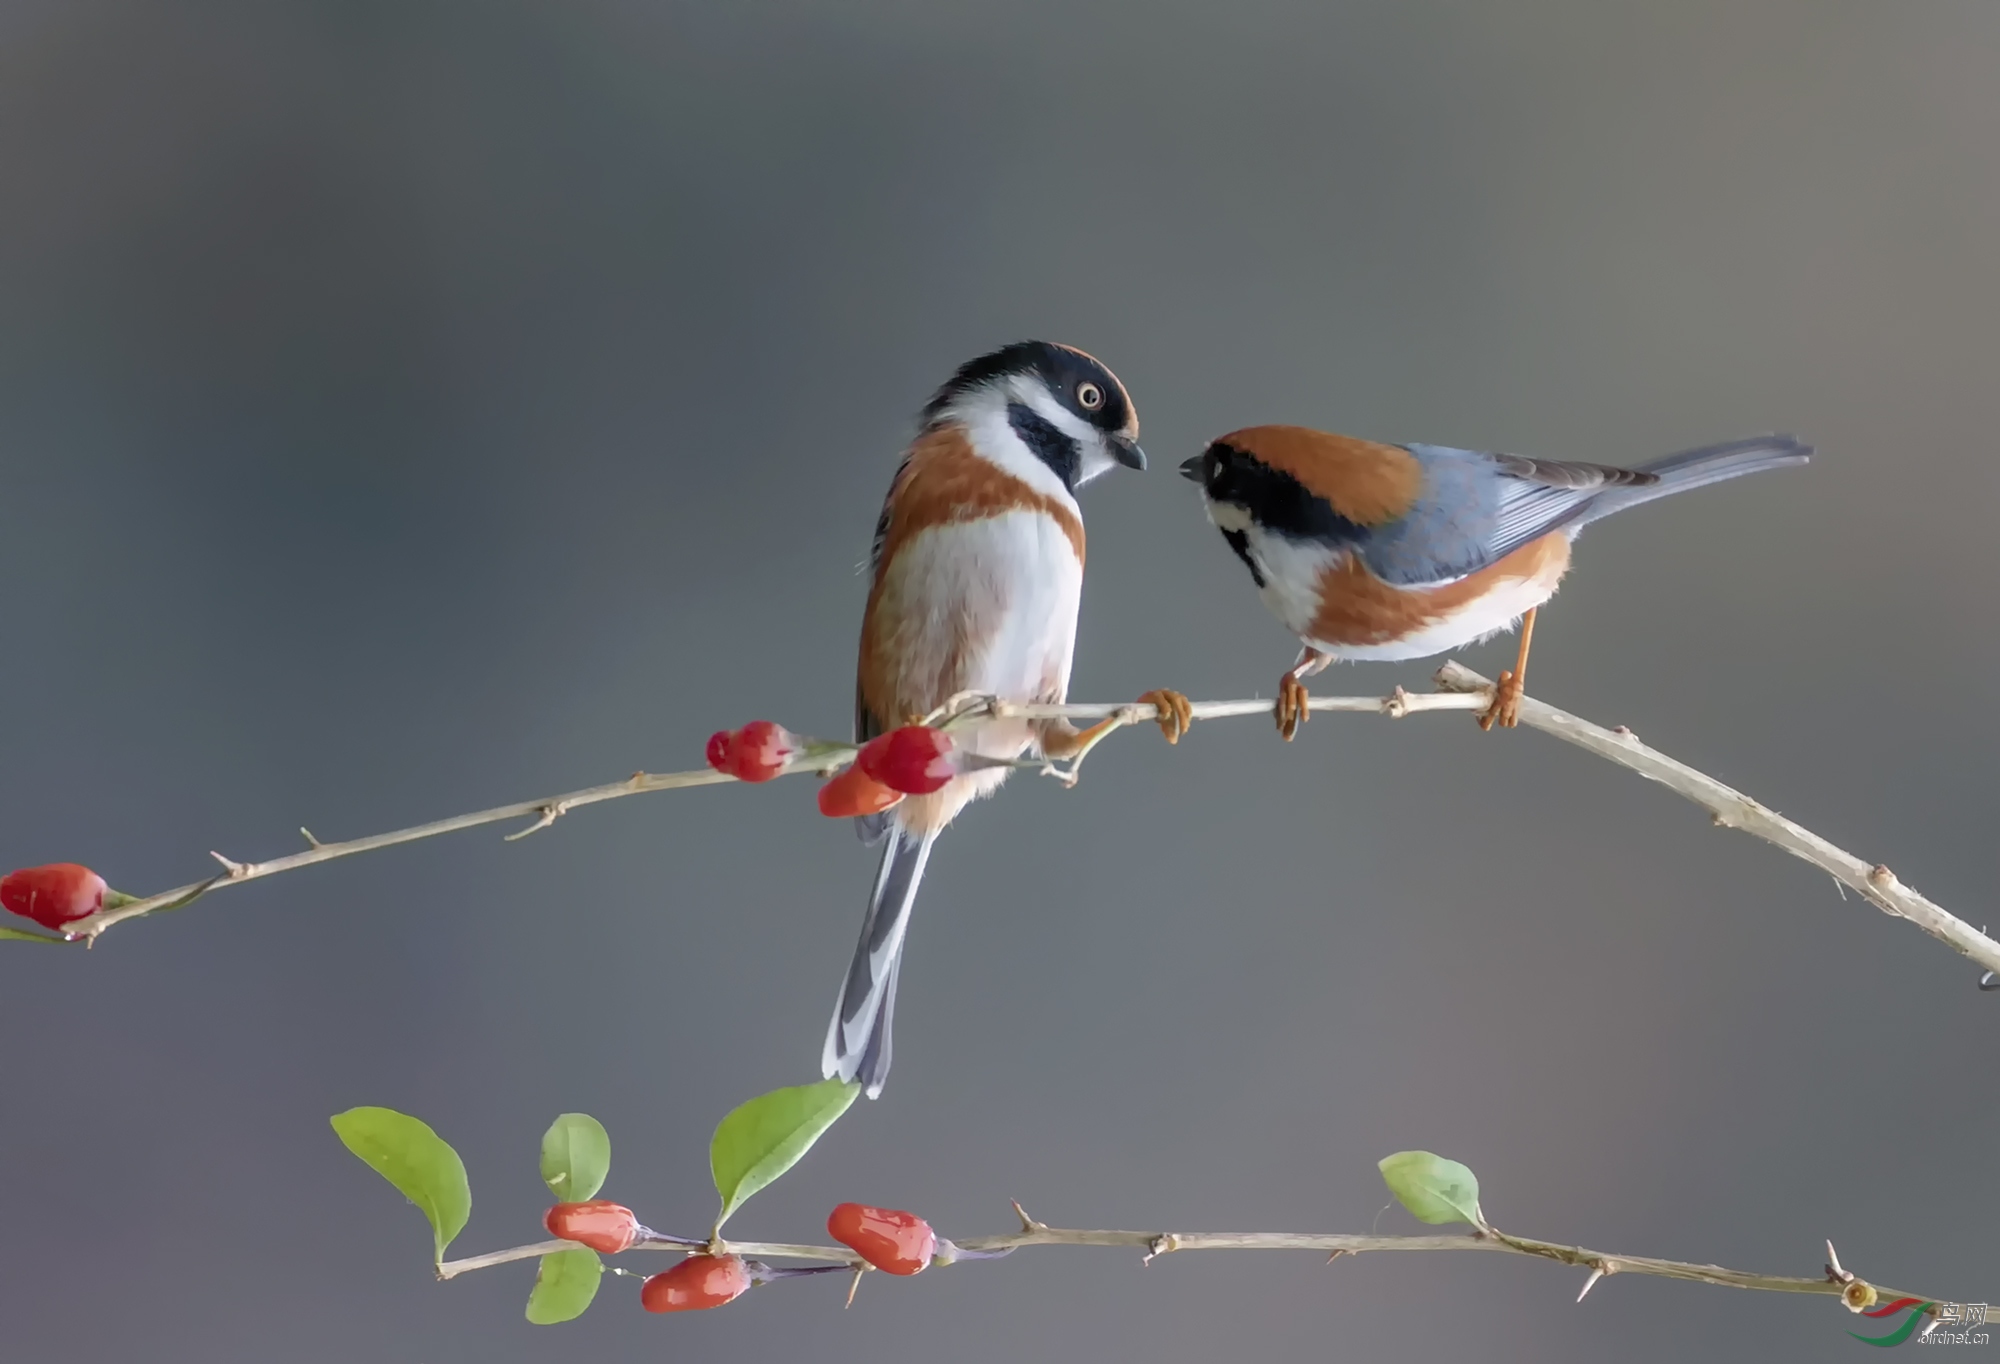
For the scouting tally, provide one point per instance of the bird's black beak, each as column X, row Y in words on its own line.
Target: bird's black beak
column 1127, row 452
column 1195, row 470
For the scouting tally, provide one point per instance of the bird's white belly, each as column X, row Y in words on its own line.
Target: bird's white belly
column 1296, row 571
column 990, row 606
column 1489, row 615
column 1291, row 570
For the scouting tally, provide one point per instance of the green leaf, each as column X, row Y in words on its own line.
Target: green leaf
column 416, row 1160
column 564, row 1285
column 765, row 1137
column 1433, row 1189
column 22, row 935
column 576, row 1156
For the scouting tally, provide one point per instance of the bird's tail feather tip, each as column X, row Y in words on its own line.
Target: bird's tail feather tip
column 1713, row 463
column 858, row 1040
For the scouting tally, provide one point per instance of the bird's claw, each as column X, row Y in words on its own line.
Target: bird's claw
column 1505, row 711
column 1173, row 712
column 1291, row 707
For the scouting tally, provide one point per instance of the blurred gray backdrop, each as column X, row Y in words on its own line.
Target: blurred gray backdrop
column 411, row 407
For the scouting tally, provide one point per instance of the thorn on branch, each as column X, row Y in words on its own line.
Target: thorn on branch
column 236, row 870
column 1597, row 1272
column 1028, row 1224
column 1335, row 1256
column 551, row 812
column 854, row 1286
column 1834, row 1273
column 314, row 842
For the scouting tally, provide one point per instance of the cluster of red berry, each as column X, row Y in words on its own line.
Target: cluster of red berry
column 55, row 895
column 893, row 1242
column 912, row 761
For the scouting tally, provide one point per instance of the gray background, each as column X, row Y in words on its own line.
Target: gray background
column 406, row 408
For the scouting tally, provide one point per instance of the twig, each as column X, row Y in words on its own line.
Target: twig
column 1152, row 1244
column 544, row 811
column 1461, row 690
column 547, row 809
column 1731, row 809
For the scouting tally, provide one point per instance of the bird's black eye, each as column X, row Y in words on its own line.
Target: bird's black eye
column 1089, row 396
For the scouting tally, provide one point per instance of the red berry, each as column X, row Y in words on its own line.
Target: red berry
column 854, row 792
column 695, row 1283
column 915, row 760
column 718, row 749
column 52, row 896
column 894, row 1242
column 760, row 750
column 600, row 1224
column 756, row 752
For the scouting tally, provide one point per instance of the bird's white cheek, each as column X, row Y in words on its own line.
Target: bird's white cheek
column 1096, row 459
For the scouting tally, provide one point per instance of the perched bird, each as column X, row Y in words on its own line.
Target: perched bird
column 1381, row 552
column 977, row 571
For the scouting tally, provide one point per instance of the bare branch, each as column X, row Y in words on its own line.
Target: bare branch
column 545, row 810
column 1732, row 809
column 1461, row 690
column 239, row 872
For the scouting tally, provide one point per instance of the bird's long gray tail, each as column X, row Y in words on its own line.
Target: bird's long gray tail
column 1698, row 468
column 857, row 1041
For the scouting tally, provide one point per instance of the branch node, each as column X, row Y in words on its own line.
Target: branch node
column 960, row 706
column 1395, row 706
column 1163, row 1244
column 551, row 812
column 314, row 842
column 236, row 870
column 1626, row 733
column 1880, row 877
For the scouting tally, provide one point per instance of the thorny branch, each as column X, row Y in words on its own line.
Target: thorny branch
column 1835, row 1282
column 1461, row 689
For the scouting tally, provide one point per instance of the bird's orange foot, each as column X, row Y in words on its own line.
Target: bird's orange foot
column 1176, row 712
column 1506, row 708
column 1291, row 708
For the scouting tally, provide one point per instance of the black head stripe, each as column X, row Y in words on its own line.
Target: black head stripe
column 1061, row 370
column 1278, row 501
column 1060, row 452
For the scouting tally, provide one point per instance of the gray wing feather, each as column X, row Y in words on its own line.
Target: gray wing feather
column 1478, row 507
column 1541, row 495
